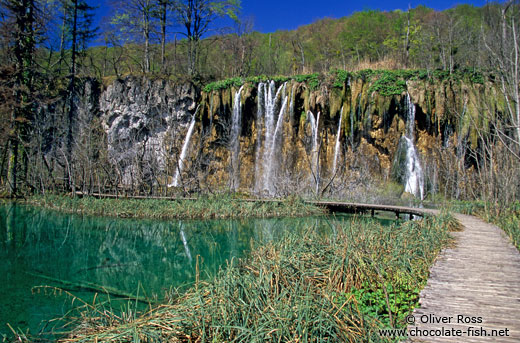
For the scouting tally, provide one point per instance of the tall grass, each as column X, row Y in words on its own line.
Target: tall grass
column 303, row 288
column 205, row 207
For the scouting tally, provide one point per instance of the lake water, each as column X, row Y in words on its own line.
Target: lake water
column 80, row 254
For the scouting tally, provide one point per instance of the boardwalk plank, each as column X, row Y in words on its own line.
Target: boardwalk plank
column 479, row 276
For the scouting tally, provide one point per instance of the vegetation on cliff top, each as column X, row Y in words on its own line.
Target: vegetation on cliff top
column 385, row 82
column 343, row 288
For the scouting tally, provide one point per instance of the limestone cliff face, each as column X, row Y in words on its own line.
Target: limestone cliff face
column 142, row 119
column 291, row 138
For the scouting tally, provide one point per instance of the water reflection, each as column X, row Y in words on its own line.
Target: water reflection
column 41, row 247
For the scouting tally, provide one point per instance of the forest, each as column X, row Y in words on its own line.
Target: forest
column 50, row 50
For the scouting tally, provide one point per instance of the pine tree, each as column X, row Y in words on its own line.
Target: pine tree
column 22, row 15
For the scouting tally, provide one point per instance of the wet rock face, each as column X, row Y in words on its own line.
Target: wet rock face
column 140, row 118
column 146, row 122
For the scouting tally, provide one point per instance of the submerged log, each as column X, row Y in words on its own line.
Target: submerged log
column 93, row 288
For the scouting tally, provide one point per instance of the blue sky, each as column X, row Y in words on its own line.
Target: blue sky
column 272, row 15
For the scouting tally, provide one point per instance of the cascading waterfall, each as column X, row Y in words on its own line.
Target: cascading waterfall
column 314, row 129
column 414, row 182
column 291, row 103
column 274, row 149
column 236, row 124
column 337, row 147
column 259, row 128
column 184, row 153
column 270, row 117
column 315, row 166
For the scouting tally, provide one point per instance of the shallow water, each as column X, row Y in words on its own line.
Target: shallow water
column 140, row 257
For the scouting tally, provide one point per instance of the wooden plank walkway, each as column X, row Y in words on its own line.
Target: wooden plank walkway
column 350, row 207
column 479, row 277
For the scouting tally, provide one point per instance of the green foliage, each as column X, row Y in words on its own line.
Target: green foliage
column 365, row 74
column 441, row 74
column 509, row 222
column 372, row 301
column 388, row 84
column 257, row 79
column 312, row 80
column 224, row 84
column 340, row 78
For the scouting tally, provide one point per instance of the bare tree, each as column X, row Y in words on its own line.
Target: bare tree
column 502, row 42
column 134, row 19
column 196, row 17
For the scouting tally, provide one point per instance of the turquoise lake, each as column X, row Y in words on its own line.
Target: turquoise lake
column 81, row 255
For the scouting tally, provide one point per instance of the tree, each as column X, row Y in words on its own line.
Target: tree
column 502, row 41
column 162, row 13
column 22, row 16
column 196, row 16
column 78, row 18
column 239, row 46
column 134, row 18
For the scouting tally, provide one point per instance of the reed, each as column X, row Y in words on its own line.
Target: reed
column 204, row 207
column 302, row 288
column 508, row 219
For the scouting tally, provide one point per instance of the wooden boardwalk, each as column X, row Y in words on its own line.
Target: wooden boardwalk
column 350, row 207
column 479, row 277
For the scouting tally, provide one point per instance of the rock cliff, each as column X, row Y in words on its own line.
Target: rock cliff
column 277, row 138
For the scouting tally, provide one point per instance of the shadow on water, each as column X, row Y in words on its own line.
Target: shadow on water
column 122, row 257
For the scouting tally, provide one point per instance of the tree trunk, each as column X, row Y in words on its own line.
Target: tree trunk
column 164, row 9
column 407, row 40
column 71, row 91
column 146, row 33
column 24, row 45
column 12, row 168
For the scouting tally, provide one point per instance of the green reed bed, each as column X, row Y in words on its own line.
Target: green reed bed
column 204, row 207
column 302, row 288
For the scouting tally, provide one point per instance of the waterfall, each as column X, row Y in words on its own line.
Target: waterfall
column 272, row 105
column 414, row 182
column 184, row 153
column 273, row 150
column 236, row 125
column 337, row 148
column 315, row 158
column 258, row 126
